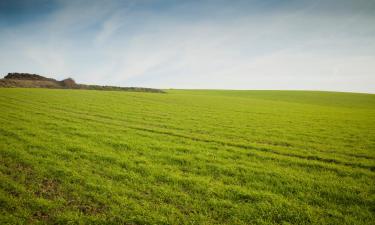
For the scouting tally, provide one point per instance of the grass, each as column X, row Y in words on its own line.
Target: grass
column 186, row 157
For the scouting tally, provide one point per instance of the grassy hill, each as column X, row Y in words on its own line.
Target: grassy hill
column 28, row 80
column 186, row 157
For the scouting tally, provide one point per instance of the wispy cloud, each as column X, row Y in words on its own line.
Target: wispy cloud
column 325, row 45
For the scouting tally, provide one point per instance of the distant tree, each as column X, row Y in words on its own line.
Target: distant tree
column 69, row 83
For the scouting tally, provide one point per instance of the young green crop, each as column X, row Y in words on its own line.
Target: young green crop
column 186, row 157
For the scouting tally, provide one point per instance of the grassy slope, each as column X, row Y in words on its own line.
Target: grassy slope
column 203, row 157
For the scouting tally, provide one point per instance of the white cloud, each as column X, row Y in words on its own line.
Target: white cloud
column 121, row 45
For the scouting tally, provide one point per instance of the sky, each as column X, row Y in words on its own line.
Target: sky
column 196, row 44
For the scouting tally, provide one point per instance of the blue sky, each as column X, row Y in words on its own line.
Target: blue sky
column 232, row 44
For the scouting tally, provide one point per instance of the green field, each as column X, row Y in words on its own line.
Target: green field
column 186, row 157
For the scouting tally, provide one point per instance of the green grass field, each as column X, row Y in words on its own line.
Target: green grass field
column 186, row 157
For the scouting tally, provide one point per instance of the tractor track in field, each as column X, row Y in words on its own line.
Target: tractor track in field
column 84, row 116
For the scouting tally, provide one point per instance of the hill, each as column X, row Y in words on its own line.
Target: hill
column 186, row 157
column 27, row 80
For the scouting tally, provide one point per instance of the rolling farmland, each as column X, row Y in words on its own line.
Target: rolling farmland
column 186, row 157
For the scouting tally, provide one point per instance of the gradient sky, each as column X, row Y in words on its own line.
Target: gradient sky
column 232, row 44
